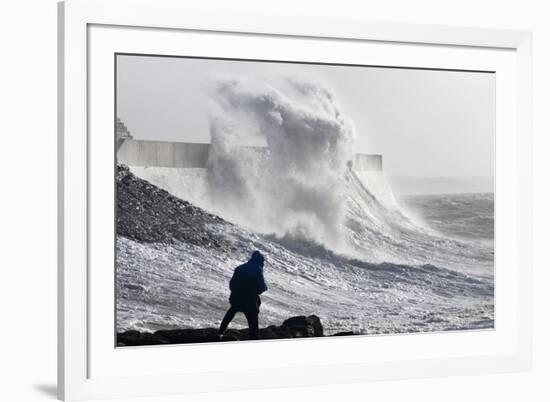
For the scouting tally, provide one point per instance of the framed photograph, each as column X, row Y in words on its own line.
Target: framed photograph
column 255, row 201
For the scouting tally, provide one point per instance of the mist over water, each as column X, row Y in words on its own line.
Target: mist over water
column 295, row 186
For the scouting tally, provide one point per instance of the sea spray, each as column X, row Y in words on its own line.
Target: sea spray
column 294, row 186
column 174, row 284
column 280, row 164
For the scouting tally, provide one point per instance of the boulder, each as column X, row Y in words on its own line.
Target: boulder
column 295, row 327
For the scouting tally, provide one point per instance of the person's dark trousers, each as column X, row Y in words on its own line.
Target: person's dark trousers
column 251, row 317
column 227, row 319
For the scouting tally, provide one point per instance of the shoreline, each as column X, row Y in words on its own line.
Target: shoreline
column 294, row 327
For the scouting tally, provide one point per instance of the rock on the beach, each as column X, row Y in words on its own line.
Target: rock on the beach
column 148, row 214
column 295, row 327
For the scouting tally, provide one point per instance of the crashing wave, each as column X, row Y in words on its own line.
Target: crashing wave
column 303, row 184
column 174, row 261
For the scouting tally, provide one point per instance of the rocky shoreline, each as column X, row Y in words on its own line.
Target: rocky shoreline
column 149, row 214
column 295, row 327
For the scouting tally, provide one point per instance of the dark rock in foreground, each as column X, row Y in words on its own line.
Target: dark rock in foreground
column 345, row 333
column 295, row 327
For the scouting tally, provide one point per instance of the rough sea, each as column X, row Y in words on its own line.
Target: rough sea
column 431, row 272
column 338, row 243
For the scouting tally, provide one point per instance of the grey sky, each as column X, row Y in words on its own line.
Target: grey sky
column 425, row 123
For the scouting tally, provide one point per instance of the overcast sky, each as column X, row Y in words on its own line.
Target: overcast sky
column 424, row 123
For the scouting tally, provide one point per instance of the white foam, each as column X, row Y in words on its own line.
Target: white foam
column 302, row 186
column 296, row 187
column 185, row 183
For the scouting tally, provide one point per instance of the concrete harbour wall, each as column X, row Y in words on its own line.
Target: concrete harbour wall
column 191, row 155
column 163, row 154
column 368, row 163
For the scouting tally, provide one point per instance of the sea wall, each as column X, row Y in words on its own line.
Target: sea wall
column 163, row 154
column 191, row 155
column 368, row 163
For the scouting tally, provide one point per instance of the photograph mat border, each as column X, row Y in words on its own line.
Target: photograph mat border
column 107, row 362
column 74, row 17
column 250, row 60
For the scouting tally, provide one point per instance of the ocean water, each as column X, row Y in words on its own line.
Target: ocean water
column 467, row 216
column 337, row 241
column 401, row 274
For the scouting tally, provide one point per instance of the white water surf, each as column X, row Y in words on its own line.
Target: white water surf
column 338, row 244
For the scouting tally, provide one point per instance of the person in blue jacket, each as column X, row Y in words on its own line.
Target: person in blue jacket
column 246, row 285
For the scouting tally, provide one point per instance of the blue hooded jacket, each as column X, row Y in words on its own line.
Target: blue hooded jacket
column 248, row 283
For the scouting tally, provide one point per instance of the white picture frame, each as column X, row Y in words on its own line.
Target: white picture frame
column 87, row 365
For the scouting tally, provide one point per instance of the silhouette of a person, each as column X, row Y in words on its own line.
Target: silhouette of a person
column 246, row 285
